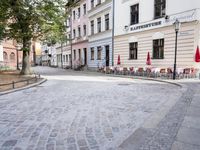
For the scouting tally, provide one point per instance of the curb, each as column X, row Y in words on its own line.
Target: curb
column 150, row 79
column 23, row 88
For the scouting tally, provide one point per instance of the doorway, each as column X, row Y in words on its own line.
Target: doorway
column 107, row 55
column 85, row 56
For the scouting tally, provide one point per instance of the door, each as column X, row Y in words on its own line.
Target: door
column 107, row 55
column 85, row 56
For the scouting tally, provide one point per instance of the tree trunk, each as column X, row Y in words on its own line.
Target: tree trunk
column 26, row 66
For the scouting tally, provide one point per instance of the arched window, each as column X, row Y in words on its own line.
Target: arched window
column 12, row 57
column 5, row 56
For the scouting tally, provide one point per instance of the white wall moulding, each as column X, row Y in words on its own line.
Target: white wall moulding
column 158, row 35
column 133, row 39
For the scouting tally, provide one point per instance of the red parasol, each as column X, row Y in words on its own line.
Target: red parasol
column 197, row 55
column 148, row 59
column 118, row 61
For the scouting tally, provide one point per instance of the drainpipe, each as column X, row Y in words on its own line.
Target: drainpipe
column 113, row 29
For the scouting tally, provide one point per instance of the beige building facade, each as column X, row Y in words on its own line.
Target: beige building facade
column 137, row 34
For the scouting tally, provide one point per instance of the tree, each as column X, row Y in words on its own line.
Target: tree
column 29, row 20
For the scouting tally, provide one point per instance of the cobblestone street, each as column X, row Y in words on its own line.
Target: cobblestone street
column 87, row 111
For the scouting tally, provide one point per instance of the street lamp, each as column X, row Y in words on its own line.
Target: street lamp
column 18, row 47
column 177, row 27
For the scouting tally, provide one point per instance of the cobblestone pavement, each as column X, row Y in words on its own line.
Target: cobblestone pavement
column 179, row 129
column 80, row 111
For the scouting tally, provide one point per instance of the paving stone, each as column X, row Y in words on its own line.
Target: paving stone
column 10, row 143
column 191, row 122
column 184, row 146
column 189, row 135
column 81, row 109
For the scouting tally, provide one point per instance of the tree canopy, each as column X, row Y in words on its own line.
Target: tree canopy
column 28, row 20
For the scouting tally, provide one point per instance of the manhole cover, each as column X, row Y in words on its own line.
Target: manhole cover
column 123, row 84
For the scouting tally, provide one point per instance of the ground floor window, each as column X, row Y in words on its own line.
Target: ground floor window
column 67, row 58
column 99, row 49
column 92, row 53
column 158, row 49
column 133, row 50
column 74, row 54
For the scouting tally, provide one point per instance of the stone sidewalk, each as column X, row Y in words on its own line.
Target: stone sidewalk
column 178, row 130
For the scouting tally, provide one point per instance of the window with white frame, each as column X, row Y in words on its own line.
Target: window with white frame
column 92, row 27
column 159, row 8
column 84, row 30
column 84, row 9
column 92, row 53
column 135, row 14
column 99, row 50
column 133, row 50
column 79, row 12
column 92, row 4
column 158, row 49
column 107, row 22
column 79, row 31
column 99, row 24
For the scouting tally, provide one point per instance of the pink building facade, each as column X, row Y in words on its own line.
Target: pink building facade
column 79, row 33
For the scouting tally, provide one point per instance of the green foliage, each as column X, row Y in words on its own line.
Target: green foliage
column 26, row 20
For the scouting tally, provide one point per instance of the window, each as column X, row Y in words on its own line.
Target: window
column 92, row 53
column 79, row 31
column 5, row 56
column 79, row 54
column 92, row 27
column 74, row 54
column 99, row 24
column 158, row 49
column 79, row 12
column 74, row 32
column 67, row 58
column 63, row 58
column 134, row 14
column 98, row 2
column 84, row 30
column 133, row 47
column 107, row 22
column 99, row 52
column 84, row 9
column 12, row 57
column 74, row 15
column 92, row 4
column 159, row 8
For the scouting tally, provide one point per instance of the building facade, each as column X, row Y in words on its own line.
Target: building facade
column 143, row 26
column 8, row 52
column 100, row 33
column 79, row 30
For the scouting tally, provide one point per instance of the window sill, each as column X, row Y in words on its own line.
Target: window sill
column 157, row 58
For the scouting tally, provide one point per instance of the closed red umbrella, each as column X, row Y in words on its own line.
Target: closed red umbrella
column 118, row 60
column 148, row 62
column 197, row 55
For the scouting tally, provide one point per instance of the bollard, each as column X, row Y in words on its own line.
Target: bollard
column 13, row 84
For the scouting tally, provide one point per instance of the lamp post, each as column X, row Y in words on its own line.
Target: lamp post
column 177, row 27
column 18, row 47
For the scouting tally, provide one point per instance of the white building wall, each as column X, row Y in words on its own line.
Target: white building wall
column 146, row 11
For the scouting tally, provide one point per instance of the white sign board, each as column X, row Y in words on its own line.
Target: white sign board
column 182, row 17
column 1, row 52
